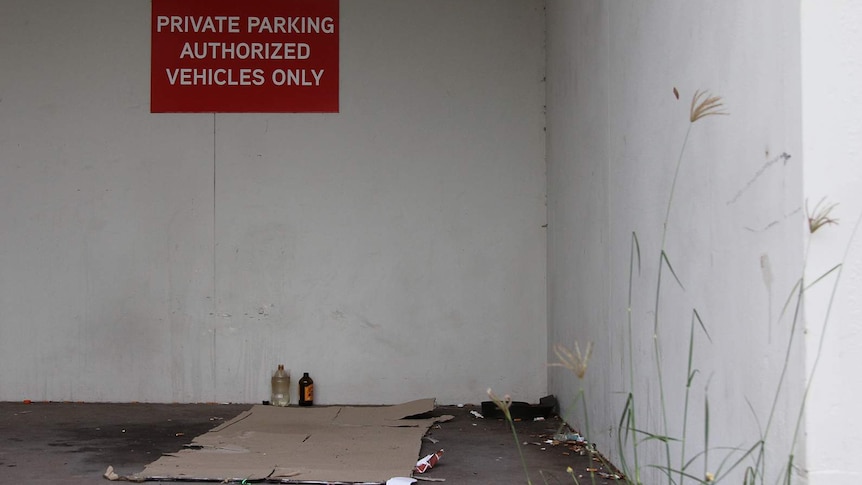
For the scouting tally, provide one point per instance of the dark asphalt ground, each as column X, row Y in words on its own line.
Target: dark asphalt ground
column 73, row 443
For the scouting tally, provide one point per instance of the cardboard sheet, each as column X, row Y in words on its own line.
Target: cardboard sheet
column 352, row 444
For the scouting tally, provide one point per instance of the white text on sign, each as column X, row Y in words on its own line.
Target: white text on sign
column 231, row 24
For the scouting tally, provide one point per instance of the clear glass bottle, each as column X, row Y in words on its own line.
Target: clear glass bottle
column 306, row 390
column 280, row 387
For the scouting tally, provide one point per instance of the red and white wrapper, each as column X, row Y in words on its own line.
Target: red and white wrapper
column 428, row 462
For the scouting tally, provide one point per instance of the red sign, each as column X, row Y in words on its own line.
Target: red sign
column 253, row 56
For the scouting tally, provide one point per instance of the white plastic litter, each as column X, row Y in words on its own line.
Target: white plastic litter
column 400, row 481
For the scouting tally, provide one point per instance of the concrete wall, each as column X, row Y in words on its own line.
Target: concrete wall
column 734, row 231
column 394, row 250
column 832, row 143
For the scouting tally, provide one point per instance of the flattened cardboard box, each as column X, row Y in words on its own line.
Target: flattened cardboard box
column 354, row 444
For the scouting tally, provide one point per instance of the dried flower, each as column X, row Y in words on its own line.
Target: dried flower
column 820, row 217
column 503, row 403
column 708, row 107
column 710, row 477
column 576, row 362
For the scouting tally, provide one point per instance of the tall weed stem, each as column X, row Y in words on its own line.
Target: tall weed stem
column 634, row 254
column 504, row 404
column 518, row 445
column 840, row 269
column 661, row 261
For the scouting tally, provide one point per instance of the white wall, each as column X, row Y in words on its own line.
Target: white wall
column 832, row 142
column 394, row 250
column 734, row 233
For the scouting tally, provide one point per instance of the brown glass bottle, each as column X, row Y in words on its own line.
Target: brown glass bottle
column 306, row 390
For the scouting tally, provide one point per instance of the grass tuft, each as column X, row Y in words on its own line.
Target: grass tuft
column 820, row 216
column 703, row 105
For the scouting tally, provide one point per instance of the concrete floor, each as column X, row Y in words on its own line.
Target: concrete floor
column 73, row 443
